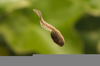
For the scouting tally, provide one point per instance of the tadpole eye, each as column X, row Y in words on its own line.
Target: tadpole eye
column 57, row 38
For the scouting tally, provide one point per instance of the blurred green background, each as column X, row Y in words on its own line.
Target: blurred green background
column 22, row 35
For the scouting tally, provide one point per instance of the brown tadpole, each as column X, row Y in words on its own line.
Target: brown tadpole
column 55, row 34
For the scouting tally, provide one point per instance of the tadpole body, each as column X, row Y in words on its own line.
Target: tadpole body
column 55, row 34
column 56, row 38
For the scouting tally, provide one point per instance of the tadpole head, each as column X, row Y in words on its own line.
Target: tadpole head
column 57, row 38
